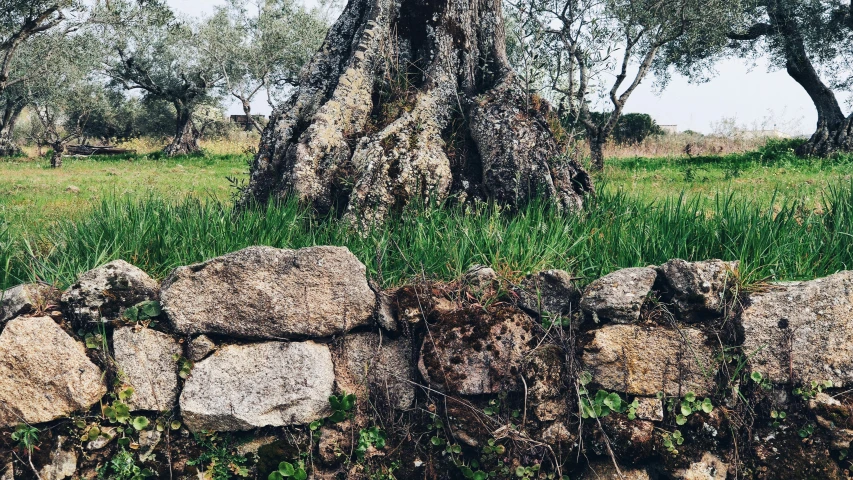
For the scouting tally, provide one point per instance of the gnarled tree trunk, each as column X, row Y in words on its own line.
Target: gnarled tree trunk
column 830, row 138
column 186, row 135
column 56, row 157
column 408, row 100
column 11, row 112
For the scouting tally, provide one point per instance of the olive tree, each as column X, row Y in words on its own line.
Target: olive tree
column 160, row 55
column 811, row 39
column 260, row 46
column 593, row 54
column 64, row 96
column 21, row 22
column 410, row 101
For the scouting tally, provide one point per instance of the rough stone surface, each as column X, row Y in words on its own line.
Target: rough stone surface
column 24, row 299
column 646, row 360
column 264, row 292
column 241, row 387
column 709, row 467
column 604, row 470
column 472, row 352
column 833, row 416
column 618, row 296
column 385, row 316
column 544, row 374
column 649, row 409
column 804, row 328
column 146, row 361
column 366, row 362
column 557, row 433
column 63, row 464
column 44, row 373
column 550, row 291
column 481, row 278
column 698, row 289
column 200, row 347
column 104, row 293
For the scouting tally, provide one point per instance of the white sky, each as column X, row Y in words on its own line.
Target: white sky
column 755, row 97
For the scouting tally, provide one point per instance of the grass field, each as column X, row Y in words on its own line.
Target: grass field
column 782, row 216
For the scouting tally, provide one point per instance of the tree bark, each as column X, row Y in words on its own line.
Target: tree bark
column 11, row 112
column 56, row 157
column 409, row 100
column 834, row 132
column 186, row 135
column 596, row 154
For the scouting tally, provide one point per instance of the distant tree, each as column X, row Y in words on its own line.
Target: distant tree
column 811, row 39
column 633, row 128
column 64, row 96
column 160, row 55
column 589, row 52
column 20, row 22
column 261, row 46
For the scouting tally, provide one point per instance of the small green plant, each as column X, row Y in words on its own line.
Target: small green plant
column 777, row 417
column 369, row 437
column 119, row 411
column 493, row 408
column 143, row 311
column 672, row 440
column 604, row 402
column 185, row 365
column 122, row 466
column 219, row 459
column 761, row 380
column 289, row 470
column 527, row 472
column 689, row 405
column 806, row 431
column 342, row 406
column 812, row 389
column 26, row 436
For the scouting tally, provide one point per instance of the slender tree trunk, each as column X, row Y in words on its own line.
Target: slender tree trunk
column 596, row 154
column 11, row 112
column 251, row 122
column 56, row 157
column 834, row 132
column 186, row 135
column 409, row 100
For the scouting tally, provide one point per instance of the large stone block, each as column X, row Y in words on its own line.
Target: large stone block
column 241, row 387
column 44, row 373
column 146, row 361
column 647, row 360
column 269, row 293
column 698, row 289
column 364, row 363
column 103, row 294
column 618, row 296
column 24, row 299
column 802, row 331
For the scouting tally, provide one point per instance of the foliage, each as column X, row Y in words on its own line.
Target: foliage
column 631, row 128
column 26, row 436
column 811, row 389
column 218, row 458
column 688, row 405
column 367, row 438
column 776, row 240
column 122, row 466
column 288, row 470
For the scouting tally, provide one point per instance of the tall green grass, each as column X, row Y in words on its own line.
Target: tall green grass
column 614, row 231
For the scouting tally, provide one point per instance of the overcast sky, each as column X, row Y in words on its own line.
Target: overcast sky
column 753, row 96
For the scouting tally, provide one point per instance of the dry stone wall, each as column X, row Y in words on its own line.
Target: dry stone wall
column 268, row 363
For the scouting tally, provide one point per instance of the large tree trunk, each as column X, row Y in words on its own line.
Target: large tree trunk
column 186, row 135
column 834, row 132
column 596, row 154
column 412, row 100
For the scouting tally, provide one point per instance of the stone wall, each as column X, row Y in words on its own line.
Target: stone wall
column 292, row 361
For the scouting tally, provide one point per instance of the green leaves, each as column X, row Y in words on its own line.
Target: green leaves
column 143, row 311
column 26, row 436
column 603, row 404
column 289, row 470
column 341, row 407
column 140, row 423
column 372, row 437
column 690, row 405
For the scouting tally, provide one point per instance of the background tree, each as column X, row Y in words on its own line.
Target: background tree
column 261, row 45
column 811, row 39
column 595, row 53
column 158, row 54
column 408, row 101
column 20, row 22
column 64, row 96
